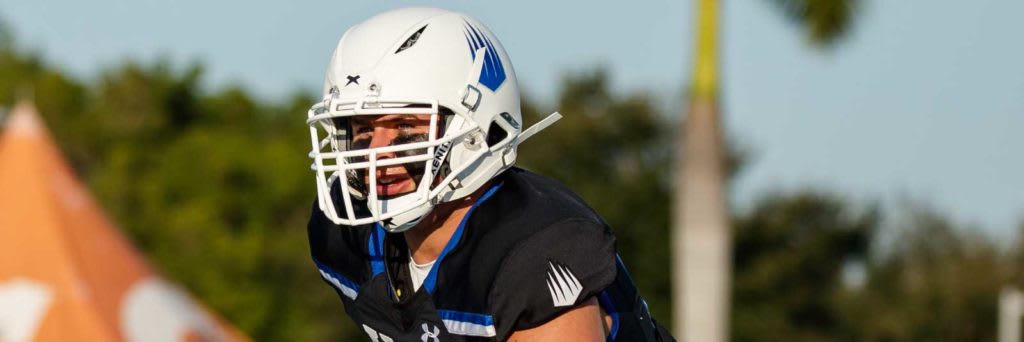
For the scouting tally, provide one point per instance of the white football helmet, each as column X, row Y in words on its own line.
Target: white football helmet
column 415, row 61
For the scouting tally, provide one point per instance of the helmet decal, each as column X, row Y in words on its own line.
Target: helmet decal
column 352, row 79
column 411, row 40
column 493, row 73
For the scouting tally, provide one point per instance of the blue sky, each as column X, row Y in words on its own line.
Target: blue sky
column 924, row 100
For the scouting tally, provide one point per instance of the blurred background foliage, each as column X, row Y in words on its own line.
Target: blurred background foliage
column 213, row 185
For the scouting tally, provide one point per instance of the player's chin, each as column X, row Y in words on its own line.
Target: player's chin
column 396, row 188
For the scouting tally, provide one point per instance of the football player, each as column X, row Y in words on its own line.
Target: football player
column 423, row 225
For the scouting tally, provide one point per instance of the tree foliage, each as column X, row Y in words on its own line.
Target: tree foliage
column 789, row 253
column 824, row 21
column 938, row 282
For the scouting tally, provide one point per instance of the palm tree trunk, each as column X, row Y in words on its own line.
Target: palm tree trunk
column 701, row 241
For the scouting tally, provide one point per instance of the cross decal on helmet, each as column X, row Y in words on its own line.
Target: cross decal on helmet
column 352, row 79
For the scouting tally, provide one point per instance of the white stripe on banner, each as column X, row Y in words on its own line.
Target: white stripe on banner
column 345, row 290
column 468, row 328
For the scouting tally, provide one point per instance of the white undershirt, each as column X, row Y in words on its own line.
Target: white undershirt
column 418, row 272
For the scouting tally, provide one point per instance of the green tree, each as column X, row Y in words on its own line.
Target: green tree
column 938, row 282
column 788, row 258
column 825, row 22
column 214, row 186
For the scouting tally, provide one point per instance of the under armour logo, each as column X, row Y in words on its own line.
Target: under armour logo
column 564, row 286
column 430, row 335
column 352, row 79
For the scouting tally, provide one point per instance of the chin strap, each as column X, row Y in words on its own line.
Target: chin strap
column 537, row 127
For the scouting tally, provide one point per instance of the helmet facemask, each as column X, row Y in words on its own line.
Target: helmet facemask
column 367, row 179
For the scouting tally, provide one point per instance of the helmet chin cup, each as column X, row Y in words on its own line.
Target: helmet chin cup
column 411, row 214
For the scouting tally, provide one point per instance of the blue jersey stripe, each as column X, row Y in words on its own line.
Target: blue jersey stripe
column 606, row 303
column 468, row 323
column 347, row 287
column 468, row 317
column 376, row 249
column 431, row 281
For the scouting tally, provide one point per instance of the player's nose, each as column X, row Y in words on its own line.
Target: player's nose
column 382, row 137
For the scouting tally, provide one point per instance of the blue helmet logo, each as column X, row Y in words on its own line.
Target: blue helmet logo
column 493, row 73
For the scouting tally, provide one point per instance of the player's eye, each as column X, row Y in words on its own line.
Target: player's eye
column 405, row 126
column 363, row 129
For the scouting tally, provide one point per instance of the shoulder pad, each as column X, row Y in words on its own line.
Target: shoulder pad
column 552, row 271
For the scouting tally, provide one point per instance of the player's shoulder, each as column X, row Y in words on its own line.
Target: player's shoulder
column 531, row 199
column 340, row 253
column 531, row 212
column 555, row 251
column 530, row 216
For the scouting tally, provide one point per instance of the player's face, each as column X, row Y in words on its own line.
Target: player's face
column 389, row 130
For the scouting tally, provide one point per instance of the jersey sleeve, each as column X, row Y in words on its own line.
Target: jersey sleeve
column 550, row 272
column 339, row 253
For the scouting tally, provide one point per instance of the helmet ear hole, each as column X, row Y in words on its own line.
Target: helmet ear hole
column 495, row 134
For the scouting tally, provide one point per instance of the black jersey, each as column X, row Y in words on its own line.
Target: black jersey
column 527, row 250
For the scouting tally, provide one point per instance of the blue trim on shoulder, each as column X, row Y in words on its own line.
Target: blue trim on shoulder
column 606, row 302
column 618, row 261
column 376, row 248
column 347, row 287
column 468, row 317
column 431, row 281
column 467, row 323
